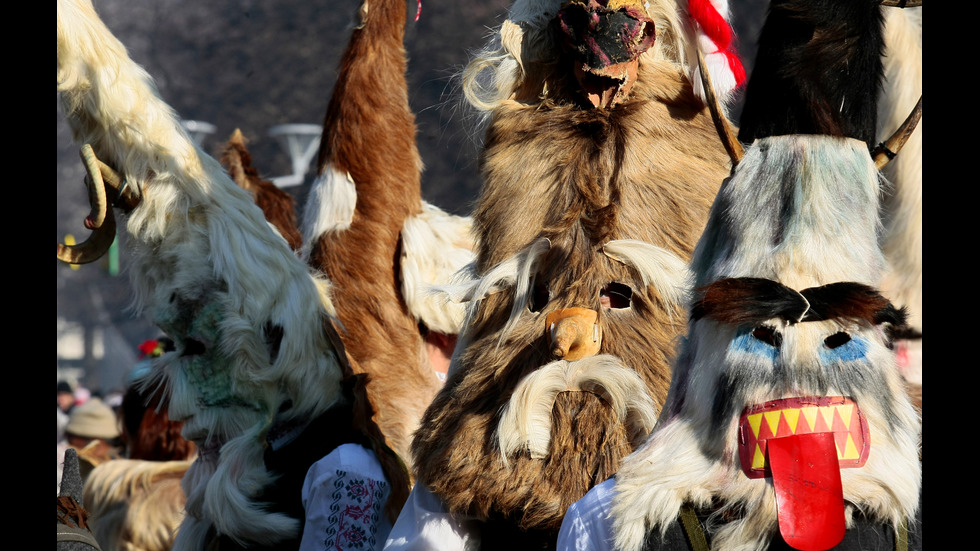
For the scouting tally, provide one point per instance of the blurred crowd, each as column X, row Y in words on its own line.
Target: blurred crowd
column 131, row 457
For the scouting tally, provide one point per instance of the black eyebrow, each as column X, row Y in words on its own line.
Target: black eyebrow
column 752, row 300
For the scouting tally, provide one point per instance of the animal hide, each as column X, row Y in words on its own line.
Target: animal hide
column 255, row 349
column 278, row 206
column 368, row 229
column 582, row 208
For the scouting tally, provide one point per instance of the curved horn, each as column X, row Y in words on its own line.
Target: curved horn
column 100, row 220
column 96, row 189
column 118, row 191
column 886, row 151
column 901, row 3
column 722, row 125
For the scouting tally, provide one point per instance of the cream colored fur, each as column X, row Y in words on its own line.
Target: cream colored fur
column 435, row 245
column 902, row 241
column 135, row 505
column 329, row 207
column 670, row 274
column 205, row 265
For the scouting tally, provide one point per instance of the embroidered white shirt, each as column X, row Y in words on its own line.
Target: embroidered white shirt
column 344, row 495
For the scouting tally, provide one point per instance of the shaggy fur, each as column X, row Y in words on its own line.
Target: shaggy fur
column 649, row 169
column 821, row 226
column 252, row 328
column 503, row 355
column 818, row 71
column 368, row 159
column 578, row 205
column 902, row 205
column 278, row 206
column 136, row 504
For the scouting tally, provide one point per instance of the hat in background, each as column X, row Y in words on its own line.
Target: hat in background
column 63, row 386
column 93, row 419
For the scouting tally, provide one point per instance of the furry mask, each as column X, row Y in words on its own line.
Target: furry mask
column 786, row 313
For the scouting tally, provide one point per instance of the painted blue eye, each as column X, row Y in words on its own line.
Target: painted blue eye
column 761, row 341
column 842, row 347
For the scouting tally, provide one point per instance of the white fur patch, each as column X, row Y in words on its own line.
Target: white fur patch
column 329, row 206
column 660, row 267
column 435, row 246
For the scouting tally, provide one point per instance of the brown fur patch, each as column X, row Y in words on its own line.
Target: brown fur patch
column 656, row 161
column 278, row 206
column 369, row 132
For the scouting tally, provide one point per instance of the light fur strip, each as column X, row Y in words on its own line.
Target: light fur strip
column 525, row 424
column 657, row 266
column 329, row 207
column 515, row 272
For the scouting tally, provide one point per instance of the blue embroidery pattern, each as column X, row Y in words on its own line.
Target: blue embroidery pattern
column 354, row 512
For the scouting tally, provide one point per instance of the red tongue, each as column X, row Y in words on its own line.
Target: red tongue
column 809, row 497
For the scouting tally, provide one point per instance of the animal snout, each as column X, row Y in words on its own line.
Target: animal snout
column 573, row 333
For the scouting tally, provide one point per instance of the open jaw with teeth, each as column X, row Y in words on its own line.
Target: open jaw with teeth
column 606, row 44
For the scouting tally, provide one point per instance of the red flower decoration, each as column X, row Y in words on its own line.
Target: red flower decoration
column 150, row 348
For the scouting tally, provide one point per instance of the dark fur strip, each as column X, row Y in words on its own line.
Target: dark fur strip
column 818, row 71
column 849, row 300
column 750, row 300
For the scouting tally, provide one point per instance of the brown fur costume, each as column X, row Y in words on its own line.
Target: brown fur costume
column 583, row 178
column 368, row 155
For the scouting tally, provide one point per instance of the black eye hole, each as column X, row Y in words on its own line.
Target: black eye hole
column 839, row 338
column 616, row 295
column 539, row 298
column 768, row 335
column 193, row 347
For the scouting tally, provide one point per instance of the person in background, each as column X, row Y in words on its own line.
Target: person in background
column 93, row 430
column 136, row 502
column 66, row 397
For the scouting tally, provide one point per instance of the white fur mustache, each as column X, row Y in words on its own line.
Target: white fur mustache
column 525, row 423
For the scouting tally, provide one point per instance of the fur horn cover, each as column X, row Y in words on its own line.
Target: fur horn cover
column 251, row 326
column 813, row 202
column 581, row 207
column 366, row 226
